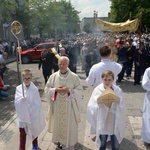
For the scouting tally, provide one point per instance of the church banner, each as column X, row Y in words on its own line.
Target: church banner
column 131, row 26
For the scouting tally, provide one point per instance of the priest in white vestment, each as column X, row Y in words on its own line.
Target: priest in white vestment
column 63, row 91
column 104, row 120
column 146, row 107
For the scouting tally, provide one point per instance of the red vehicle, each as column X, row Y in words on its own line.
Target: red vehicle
column 31, row 54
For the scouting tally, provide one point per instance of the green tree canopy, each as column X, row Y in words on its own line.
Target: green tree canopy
column 50, row 17
column 6, row 9
column 121, row 10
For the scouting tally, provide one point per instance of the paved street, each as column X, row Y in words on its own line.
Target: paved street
column 9, row 136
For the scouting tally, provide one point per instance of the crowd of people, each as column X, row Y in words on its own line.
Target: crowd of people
column 129, row 50
column 3, row 56
column 106, row 60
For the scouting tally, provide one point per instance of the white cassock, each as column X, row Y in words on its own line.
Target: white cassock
column 64, row 113
column 146, row 107
column 96, row 71
column 29, row 110
column 104, row 120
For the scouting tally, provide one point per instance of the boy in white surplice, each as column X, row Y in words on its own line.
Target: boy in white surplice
column 107, row 122
column 29, row 111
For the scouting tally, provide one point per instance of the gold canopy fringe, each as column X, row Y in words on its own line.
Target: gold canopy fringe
column 131, row 26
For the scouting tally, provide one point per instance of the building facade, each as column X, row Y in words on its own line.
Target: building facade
column 89, row 23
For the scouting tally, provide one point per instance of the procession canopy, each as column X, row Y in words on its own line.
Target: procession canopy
column 130, row 26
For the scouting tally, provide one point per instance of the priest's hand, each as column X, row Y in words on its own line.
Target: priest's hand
column 62, row 89
column 58, row 88
column 65, row 90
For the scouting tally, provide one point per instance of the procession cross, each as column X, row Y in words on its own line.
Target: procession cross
column 108, row 97
column 16, row 27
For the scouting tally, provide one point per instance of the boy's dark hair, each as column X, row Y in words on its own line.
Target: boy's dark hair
column 105, row 51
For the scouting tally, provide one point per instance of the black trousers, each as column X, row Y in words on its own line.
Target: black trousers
column 129, row 67
column 46, row 74
column 139, row 71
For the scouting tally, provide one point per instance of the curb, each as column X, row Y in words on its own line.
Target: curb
column 10, row 60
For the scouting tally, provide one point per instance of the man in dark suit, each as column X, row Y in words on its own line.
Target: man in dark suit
column 46, row 61
column 72, row 57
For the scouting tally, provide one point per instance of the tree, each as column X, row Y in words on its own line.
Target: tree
column 6, row 8
column 72, row 17
column 50, row 16
column 56, row 18
column 120, row 11
column 36, row 9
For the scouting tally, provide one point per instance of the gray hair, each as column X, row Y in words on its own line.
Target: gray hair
column 66, row 58
column 62, row 49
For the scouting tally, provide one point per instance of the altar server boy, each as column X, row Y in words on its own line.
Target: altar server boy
column 107, row 122
column 28, row 106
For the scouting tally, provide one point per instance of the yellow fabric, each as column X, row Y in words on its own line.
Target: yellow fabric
column 55, row 53
column 118, row 27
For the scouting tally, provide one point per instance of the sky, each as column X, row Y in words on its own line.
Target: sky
column 87, row 7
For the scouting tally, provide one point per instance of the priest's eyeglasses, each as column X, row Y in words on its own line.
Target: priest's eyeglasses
column 26, row 78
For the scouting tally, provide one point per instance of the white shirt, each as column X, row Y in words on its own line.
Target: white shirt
column 96, row 71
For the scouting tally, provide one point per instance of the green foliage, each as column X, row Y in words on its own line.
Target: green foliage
column 50, row 17
column 72, row 17
column 6, row 8
column 44, row 17
column 120, row 11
